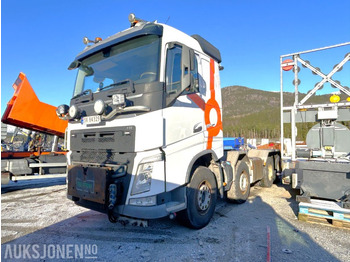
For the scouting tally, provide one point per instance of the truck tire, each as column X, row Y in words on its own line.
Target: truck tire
column 278, row 169
column 277, row 163
column 201, row 195
column 240, row 188
column 269, row 173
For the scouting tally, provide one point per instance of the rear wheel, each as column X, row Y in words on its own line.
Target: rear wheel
column 277, row 159
column 269, row 173
column 201, row 199
column 278, row 168
column 240, row 188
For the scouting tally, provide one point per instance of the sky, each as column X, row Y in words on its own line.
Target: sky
column 41, row 38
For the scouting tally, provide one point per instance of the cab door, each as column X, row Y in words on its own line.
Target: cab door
column 183, row 118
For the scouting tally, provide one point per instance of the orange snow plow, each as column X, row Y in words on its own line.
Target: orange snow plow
column 25, row 110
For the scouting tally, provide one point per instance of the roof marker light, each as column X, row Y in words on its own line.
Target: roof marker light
column 98, row 39
column 87, row 40
column 134, row 20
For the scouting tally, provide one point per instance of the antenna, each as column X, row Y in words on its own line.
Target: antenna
column 167, row 20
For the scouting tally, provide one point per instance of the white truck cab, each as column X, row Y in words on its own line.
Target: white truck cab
column 145, row 135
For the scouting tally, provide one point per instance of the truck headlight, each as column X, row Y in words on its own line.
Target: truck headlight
column 143, row 180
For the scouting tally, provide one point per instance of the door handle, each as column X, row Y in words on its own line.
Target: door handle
column 197, row 127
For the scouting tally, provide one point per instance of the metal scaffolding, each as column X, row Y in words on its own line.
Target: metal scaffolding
column 300, row 111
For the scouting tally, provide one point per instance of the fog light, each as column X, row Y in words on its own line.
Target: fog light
column 143, row 201
column 73, row 111
column 99, row 107
column 62, row 110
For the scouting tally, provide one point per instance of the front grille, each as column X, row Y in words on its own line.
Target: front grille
column 97, row 156
column 106, row 140
column 88, row 140
column 119, row 139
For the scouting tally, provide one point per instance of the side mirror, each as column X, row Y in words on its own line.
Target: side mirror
column 180, row 77
column 75, row 64
column 185, row 68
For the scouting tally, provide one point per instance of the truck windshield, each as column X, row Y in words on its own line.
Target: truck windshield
column 136, row 59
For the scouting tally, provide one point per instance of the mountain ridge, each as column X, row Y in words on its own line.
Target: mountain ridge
column 254, row 113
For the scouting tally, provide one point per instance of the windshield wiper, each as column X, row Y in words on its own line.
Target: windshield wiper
column 123, row 82
column 85, row 92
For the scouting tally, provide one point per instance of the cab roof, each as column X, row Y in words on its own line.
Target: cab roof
column 141, row 30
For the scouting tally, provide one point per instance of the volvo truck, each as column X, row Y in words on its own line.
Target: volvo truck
column 145, row 131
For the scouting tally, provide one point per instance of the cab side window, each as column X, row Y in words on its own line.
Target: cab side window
column 180, row 82
column 173, row 70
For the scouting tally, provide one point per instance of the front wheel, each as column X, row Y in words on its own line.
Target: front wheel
column 201, row 195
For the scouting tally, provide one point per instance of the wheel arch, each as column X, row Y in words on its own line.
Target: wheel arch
column 203, row 158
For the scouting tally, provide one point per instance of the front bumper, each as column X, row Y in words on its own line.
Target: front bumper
column 88, row 187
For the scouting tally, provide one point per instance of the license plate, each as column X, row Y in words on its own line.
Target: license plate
column 85, row 186
column 91, row 119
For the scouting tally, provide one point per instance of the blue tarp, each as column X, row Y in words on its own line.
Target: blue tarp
column 233, row 143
